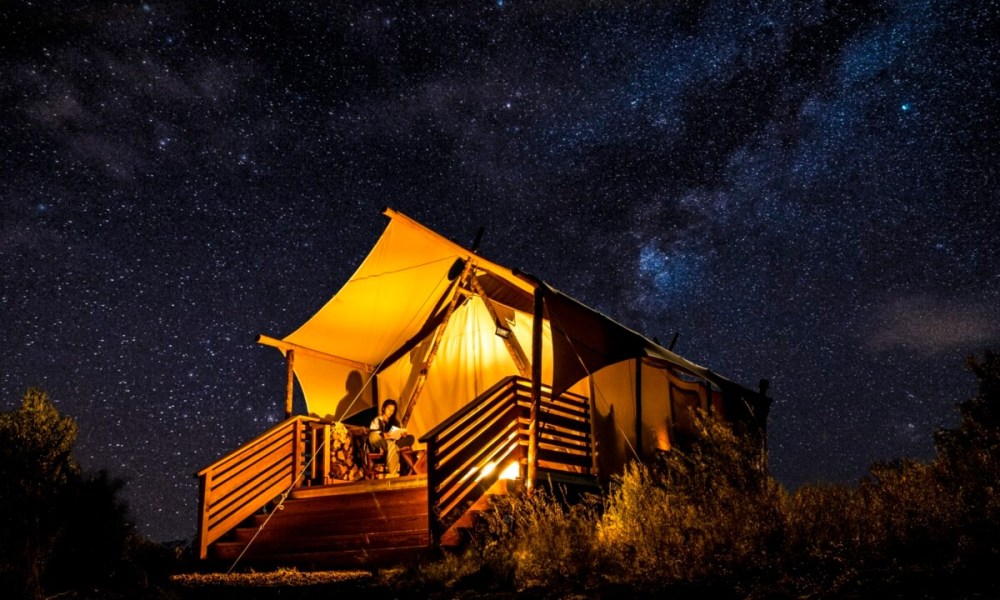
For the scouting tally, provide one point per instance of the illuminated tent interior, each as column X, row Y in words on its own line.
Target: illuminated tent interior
column 433, row 325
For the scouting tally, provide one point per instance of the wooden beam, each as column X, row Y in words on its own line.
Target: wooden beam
column 290, row 389
column 304, row 351
column 638, row 407
column 509, row 340
column 438, row 334
column 536, row 390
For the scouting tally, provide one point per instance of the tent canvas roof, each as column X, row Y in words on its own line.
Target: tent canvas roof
column 400, row 293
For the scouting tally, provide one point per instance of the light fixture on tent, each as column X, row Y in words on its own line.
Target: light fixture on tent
column 503, row 331
column 456, row 269
column 511, row 472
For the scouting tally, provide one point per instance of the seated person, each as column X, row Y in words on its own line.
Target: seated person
column 385, row 435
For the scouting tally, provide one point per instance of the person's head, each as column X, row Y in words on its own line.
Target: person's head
column 389, row 409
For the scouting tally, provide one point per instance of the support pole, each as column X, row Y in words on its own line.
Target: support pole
column 438, row 334
column 509, row 340
column 638, row 407
column 536, row 390
column 290, row 356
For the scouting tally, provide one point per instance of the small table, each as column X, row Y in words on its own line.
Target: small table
column 416, row 460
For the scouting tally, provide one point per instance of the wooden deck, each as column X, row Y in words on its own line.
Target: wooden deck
column 372, row 522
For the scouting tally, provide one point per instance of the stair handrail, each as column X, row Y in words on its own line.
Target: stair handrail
column 459, row 447
column 244, row 480
column 492, row 429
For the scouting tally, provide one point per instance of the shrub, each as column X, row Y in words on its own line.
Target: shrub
column 538, row 539
column 38, row 469
column 707, row 515
column 968, row 466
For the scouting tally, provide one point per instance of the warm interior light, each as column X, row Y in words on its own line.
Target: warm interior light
column 512, row 471
column 486, row 470
column 503, row 332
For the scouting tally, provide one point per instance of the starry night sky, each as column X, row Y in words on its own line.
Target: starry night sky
column 806, row 194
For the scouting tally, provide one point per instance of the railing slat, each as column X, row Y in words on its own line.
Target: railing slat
column 492, row 428
column 244, row 480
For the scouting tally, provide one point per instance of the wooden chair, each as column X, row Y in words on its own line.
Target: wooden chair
column 375, row 463
column 376, row 466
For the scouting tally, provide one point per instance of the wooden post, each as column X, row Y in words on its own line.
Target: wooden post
column 510, row 340
column 638, row 407
column 536, row 390
column 438, row 334
column 298, row 432
column 325, row 456
column 432, row 483
column 290, row 355
column 204, row 485
column 314, row 441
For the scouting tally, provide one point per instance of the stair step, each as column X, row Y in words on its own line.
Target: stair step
column 303, row 527
column 261, row 548
column 310, row 561
column 375, row 523
column 363, row 486
column 359, row 506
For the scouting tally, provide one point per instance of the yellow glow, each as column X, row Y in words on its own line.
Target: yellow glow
column 513, row 471
column 486, row 470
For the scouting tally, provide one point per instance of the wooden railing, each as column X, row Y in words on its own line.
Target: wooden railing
column 293, row 453
column 468, row 451
column 245, row 480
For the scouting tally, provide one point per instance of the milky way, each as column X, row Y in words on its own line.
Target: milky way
column 802, row 193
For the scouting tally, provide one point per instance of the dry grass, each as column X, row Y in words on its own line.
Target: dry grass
column 283, row 584
column 278, row 578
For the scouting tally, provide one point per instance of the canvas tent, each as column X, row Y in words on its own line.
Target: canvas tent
column 431, row 324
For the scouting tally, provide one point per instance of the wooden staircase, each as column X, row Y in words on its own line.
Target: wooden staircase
column 363, row 524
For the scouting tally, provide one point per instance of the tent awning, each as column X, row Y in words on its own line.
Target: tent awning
column 398, row 296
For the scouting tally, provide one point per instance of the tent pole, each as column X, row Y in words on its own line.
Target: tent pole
column 509, row 340
column 290, row 356
column 536, row 390
column 638, row 406
column 438, row 334
column 304, row 351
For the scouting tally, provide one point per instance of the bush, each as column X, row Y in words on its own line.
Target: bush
column 710, row 521
column 537, row 540
column 38, row 469
column 707, row 516
column 968, row 467
column 60, row 530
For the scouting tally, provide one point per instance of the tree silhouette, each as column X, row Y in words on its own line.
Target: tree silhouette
column 60, row 529
column 38, row 469
column 968, row 464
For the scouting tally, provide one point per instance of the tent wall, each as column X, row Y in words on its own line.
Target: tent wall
column 469, row 360
column 332, row 390
column 667, row 404
column 655, row 391
column 614, row 416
